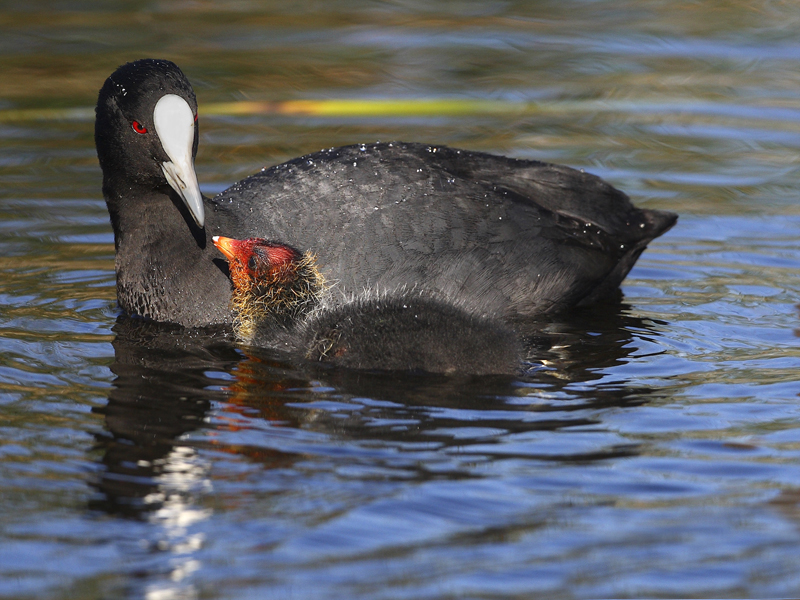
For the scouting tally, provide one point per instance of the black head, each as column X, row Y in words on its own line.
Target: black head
column 146, row 131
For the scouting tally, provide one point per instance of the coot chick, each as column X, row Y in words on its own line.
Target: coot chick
column 500, row 236
column 278, row 300
column 274, row 286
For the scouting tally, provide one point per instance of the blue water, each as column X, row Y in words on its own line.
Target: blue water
column 652, row 448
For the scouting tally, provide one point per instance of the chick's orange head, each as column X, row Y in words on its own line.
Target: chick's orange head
column 254, row 257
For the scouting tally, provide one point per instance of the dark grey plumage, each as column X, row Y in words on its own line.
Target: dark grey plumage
column 408, row 331
column 503, row 237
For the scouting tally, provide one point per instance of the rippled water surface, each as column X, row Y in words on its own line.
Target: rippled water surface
column 651, row 450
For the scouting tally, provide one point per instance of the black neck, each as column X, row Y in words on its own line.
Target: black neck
column 165, row 268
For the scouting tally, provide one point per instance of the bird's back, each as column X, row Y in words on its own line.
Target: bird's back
column 506, row 237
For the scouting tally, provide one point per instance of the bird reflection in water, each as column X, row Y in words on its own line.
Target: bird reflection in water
column 169, row 378
column 183, row 399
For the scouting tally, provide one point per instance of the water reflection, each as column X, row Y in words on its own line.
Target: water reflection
column 456, row 412
column 160, row 394
column 171, row 382
column 184, row 402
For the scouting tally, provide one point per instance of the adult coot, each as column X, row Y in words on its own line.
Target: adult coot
column 279, row 301
column 504, row 237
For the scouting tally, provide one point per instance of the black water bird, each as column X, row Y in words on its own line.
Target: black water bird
column 502, row 237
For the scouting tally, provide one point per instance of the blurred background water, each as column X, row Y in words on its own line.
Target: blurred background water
column 651, row 451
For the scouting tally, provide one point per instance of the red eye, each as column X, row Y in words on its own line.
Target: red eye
column 195, row 118
column 138, row 127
